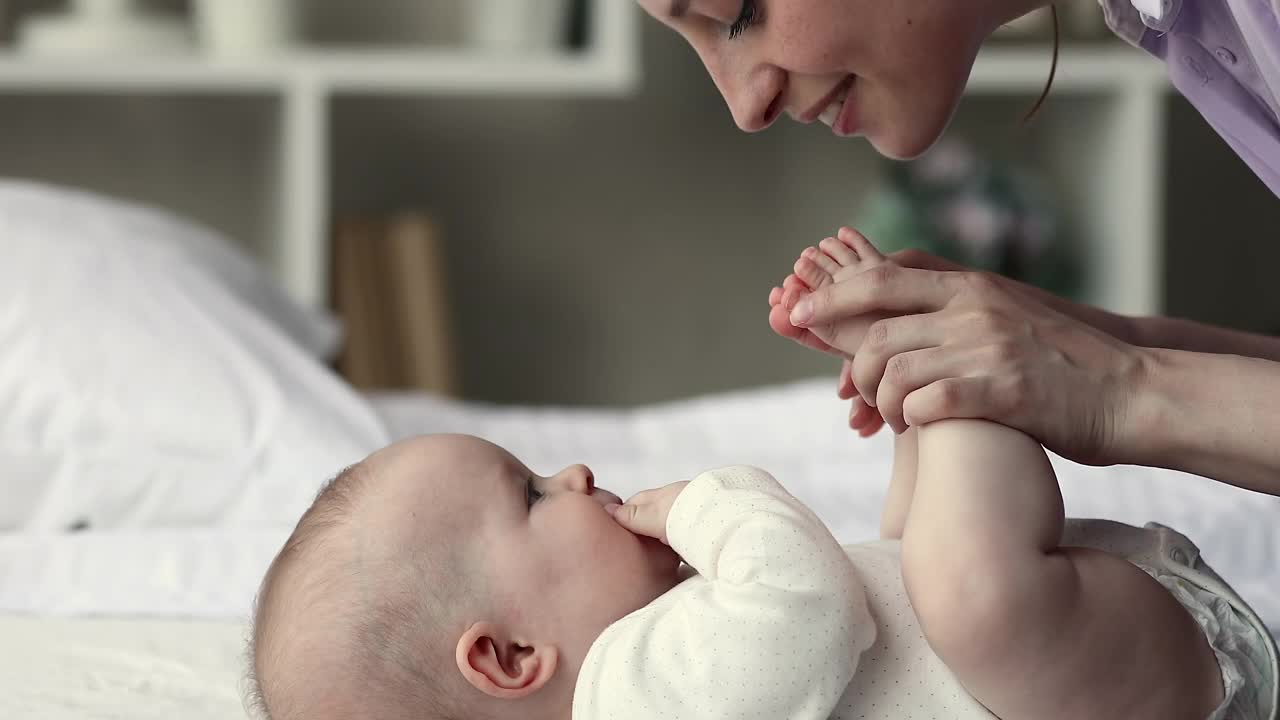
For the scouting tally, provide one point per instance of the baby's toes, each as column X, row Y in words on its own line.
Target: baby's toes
column 793, row 288
column 838, row 251
column 790, row 297
column 822, row 260
column 780, row 321
column 815, row 269
column 794, row 283
column 867, row 253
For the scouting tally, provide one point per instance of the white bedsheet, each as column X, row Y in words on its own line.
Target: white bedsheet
column 76, row 669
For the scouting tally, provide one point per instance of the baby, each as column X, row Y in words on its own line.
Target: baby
column 440, row 578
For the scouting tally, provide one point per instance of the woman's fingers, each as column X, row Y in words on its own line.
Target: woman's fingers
column 890, row 338
column 845, row 389
column 882, row 289
column 922, row 260
column 910, row 371
column 781, row 325
column 946, row 399
column 863, row 418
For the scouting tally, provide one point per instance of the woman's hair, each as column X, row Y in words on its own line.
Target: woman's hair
column 1053, row 68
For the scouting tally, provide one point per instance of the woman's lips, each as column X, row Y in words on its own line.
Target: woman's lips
column 847, row 124
column 839, row 115
column 820, row 108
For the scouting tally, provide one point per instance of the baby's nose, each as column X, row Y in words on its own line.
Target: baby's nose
column 576, row 478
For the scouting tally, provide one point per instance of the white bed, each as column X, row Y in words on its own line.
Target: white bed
column 188, row 465
column 175, row 601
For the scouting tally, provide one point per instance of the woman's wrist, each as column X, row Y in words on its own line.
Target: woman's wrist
column 1211, row 415
column 1148, row 431
column 1147, row 332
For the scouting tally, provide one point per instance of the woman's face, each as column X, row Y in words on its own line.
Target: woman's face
column 889, row 70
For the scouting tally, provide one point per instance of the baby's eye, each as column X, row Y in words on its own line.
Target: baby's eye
column 531, row 493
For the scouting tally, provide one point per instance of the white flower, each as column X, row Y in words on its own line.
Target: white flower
column 978, row 226
column 949, row 162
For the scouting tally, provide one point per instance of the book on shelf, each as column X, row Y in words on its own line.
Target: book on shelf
column 391, row 293
column 354, row 299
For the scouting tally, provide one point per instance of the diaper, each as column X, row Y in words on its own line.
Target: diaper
column 1245, row 649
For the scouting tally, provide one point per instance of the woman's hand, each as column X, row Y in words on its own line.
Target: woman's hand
column 863, row 418
column 969, row 344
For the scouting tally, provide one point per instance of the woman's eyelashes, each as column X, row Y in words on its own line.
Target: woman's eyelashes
column 531, row 493
column 747, row 17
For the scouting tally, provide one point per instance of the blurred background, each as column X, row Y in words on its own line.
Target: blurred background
column 546, row 202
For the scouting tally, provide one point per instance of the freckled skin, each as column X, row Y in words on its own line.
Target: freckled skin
column 911, row 59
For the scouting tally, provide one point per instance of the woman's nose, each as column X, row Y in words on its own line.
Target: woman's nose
column 575, row 478
column 759, row 100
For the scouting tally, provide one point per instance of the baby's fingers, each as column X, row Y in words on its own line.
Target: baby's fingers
column 646, row 513
column 641, row 518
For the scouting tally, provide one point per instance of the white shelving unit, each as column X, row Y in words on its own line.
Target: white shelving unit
column 1110, row 152
column 305, row 83
column 1112, row 149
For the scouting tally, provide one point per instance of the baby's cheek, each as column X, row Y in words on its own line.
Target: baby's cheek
column 618, row 548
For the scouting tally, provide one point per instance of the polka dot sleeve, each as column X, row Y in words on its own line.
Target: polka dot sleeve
column 772, row 627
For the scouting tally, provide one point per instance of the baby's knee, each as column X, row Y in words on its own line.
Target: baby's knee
column 970, row 606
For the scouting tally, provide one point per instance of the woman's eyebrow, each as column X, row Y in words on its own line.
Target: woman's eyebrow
column 678, row 9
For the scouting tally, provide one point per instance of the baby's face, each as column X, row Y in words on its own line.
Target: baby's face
column 550, row 556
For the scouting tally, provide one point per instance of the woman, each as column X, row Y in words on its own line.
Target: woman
column 1092, row 386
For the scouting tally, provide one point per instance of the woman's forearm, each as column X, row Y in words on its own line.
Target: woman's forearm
column 1208, row 414
column 1164, row 332
column 1177, row 334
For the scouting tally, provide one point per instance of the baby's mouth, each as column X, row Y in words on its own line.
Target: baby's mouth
column 604, row 497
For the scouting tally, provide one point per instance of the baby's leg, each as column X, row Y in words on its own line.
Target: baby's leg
column 902, row 485
column 1035, row 630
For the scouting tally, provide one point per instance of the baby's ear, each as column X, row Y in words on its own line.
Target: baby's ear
column 498, row 666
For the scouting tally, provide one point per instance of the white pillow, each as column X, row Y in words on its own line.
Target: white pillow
column 137, row 230
column 137, row 390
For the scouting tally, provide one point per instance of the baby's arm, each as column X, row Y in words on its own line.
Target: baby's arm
column 1030, row 628
column 775, row 631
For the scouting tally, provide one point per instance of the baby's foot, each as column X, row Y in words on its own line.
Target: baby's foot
column 834, row 260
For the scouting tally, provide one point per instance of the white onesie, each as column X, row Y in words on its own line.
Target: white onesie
column 781, row 623
column 773, row 626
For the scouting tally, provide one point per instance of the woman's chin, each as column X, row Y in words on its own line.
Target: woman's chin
column 907, row 131
column 903, row 145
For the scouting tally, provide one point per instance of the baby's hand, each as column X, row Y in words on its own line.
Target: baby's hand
column 646, row 512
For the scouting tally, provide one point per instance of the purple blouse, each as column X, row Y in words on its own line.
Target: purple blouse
column 1224, row 57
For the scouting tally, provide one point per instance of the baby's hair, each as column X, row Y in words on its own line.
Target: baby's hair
column 333, row 502
column 390, row 628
